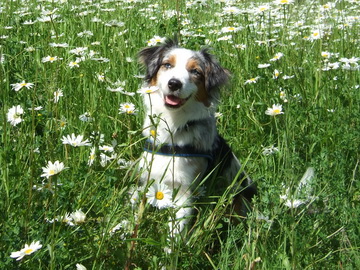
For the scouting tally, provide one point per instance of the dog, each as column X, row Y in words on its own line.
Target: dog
column 183, row 146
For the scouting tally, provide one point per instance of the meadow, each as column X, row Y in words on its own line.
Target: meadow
column 70, row 67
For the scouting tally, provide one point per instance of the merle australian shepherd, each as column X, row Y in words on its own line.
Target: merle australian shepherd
column 183, row 146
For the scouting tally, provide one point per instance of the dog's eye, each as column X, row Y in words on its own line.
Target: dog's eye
column 167, row 65
column 195, row 72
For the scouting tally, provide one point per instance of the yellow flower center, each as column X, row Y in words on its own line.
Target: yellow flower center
column 159, row 195
column 28, row 251
column 153, row 133
column 51, row 58
column 23, row 84
column 277, row 111
column 51, row 172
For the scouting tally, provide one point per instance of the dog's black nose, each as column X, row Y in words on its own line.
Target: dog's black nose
column 174, row 84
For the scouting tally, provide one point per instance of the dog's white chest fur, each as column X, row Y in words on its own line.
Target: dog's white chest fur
column 175, row 172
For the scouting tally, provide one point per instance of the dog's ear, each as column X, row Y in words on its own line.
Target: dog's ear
column 151, row 57
column 215, row 75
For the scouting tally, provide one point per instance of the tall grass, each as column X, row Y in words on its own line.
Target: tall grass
column 319, row 128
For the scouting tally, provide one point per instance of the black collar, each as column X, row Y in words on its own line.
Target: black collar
column 176, row 150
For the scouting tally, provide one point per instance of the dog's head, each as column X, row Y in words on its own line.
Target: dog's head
column 183, row 76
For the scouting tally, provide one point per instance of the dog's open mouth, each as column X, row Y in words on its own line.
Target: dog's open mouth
column 174, row 101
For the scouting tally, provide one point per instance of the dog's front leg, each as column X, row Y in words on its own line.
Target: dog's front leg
column 183, row 203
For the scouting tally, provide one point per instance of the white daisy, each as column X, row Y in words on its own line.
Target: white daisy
column 225, row 38
column 230, row 29
column 147, row 90
column 79, row 266
column 85, row 33
column 229, row 10
column 17, row 86
column 160, row 196
column 128, row 108
column 27, row 250
column 78, row 216
column 276, row 74
column 287, row 77
column 277, row 56
column 30, row 49
column 100, row 77
column 106, row 148
column 293, row 203
column 241, row 46
column 263, row 65
column 119, row 89
column 66, row 219
column 252, row 80
column 155, row 40
column 275, row 110
column 326, row 55
column 57, row 94
column 92, row 156
column 75, row 140
column 283, row 2
column 52, row 169
column 316, row 34
column 14, row 115
column 28, row 22
column 79, row 51
column 262, row 8
column 73, row 64
column 50, row 59
column 59, row 45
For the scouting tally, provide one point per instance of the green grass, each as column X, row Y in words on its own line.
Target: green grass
column 319, row 129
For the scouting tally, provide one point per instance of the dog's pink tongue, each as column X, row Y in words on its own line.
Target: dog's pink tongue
column 173, row 100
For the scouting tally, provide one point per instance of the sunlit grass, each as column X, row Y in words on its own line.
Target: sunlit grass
column 80, row 57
